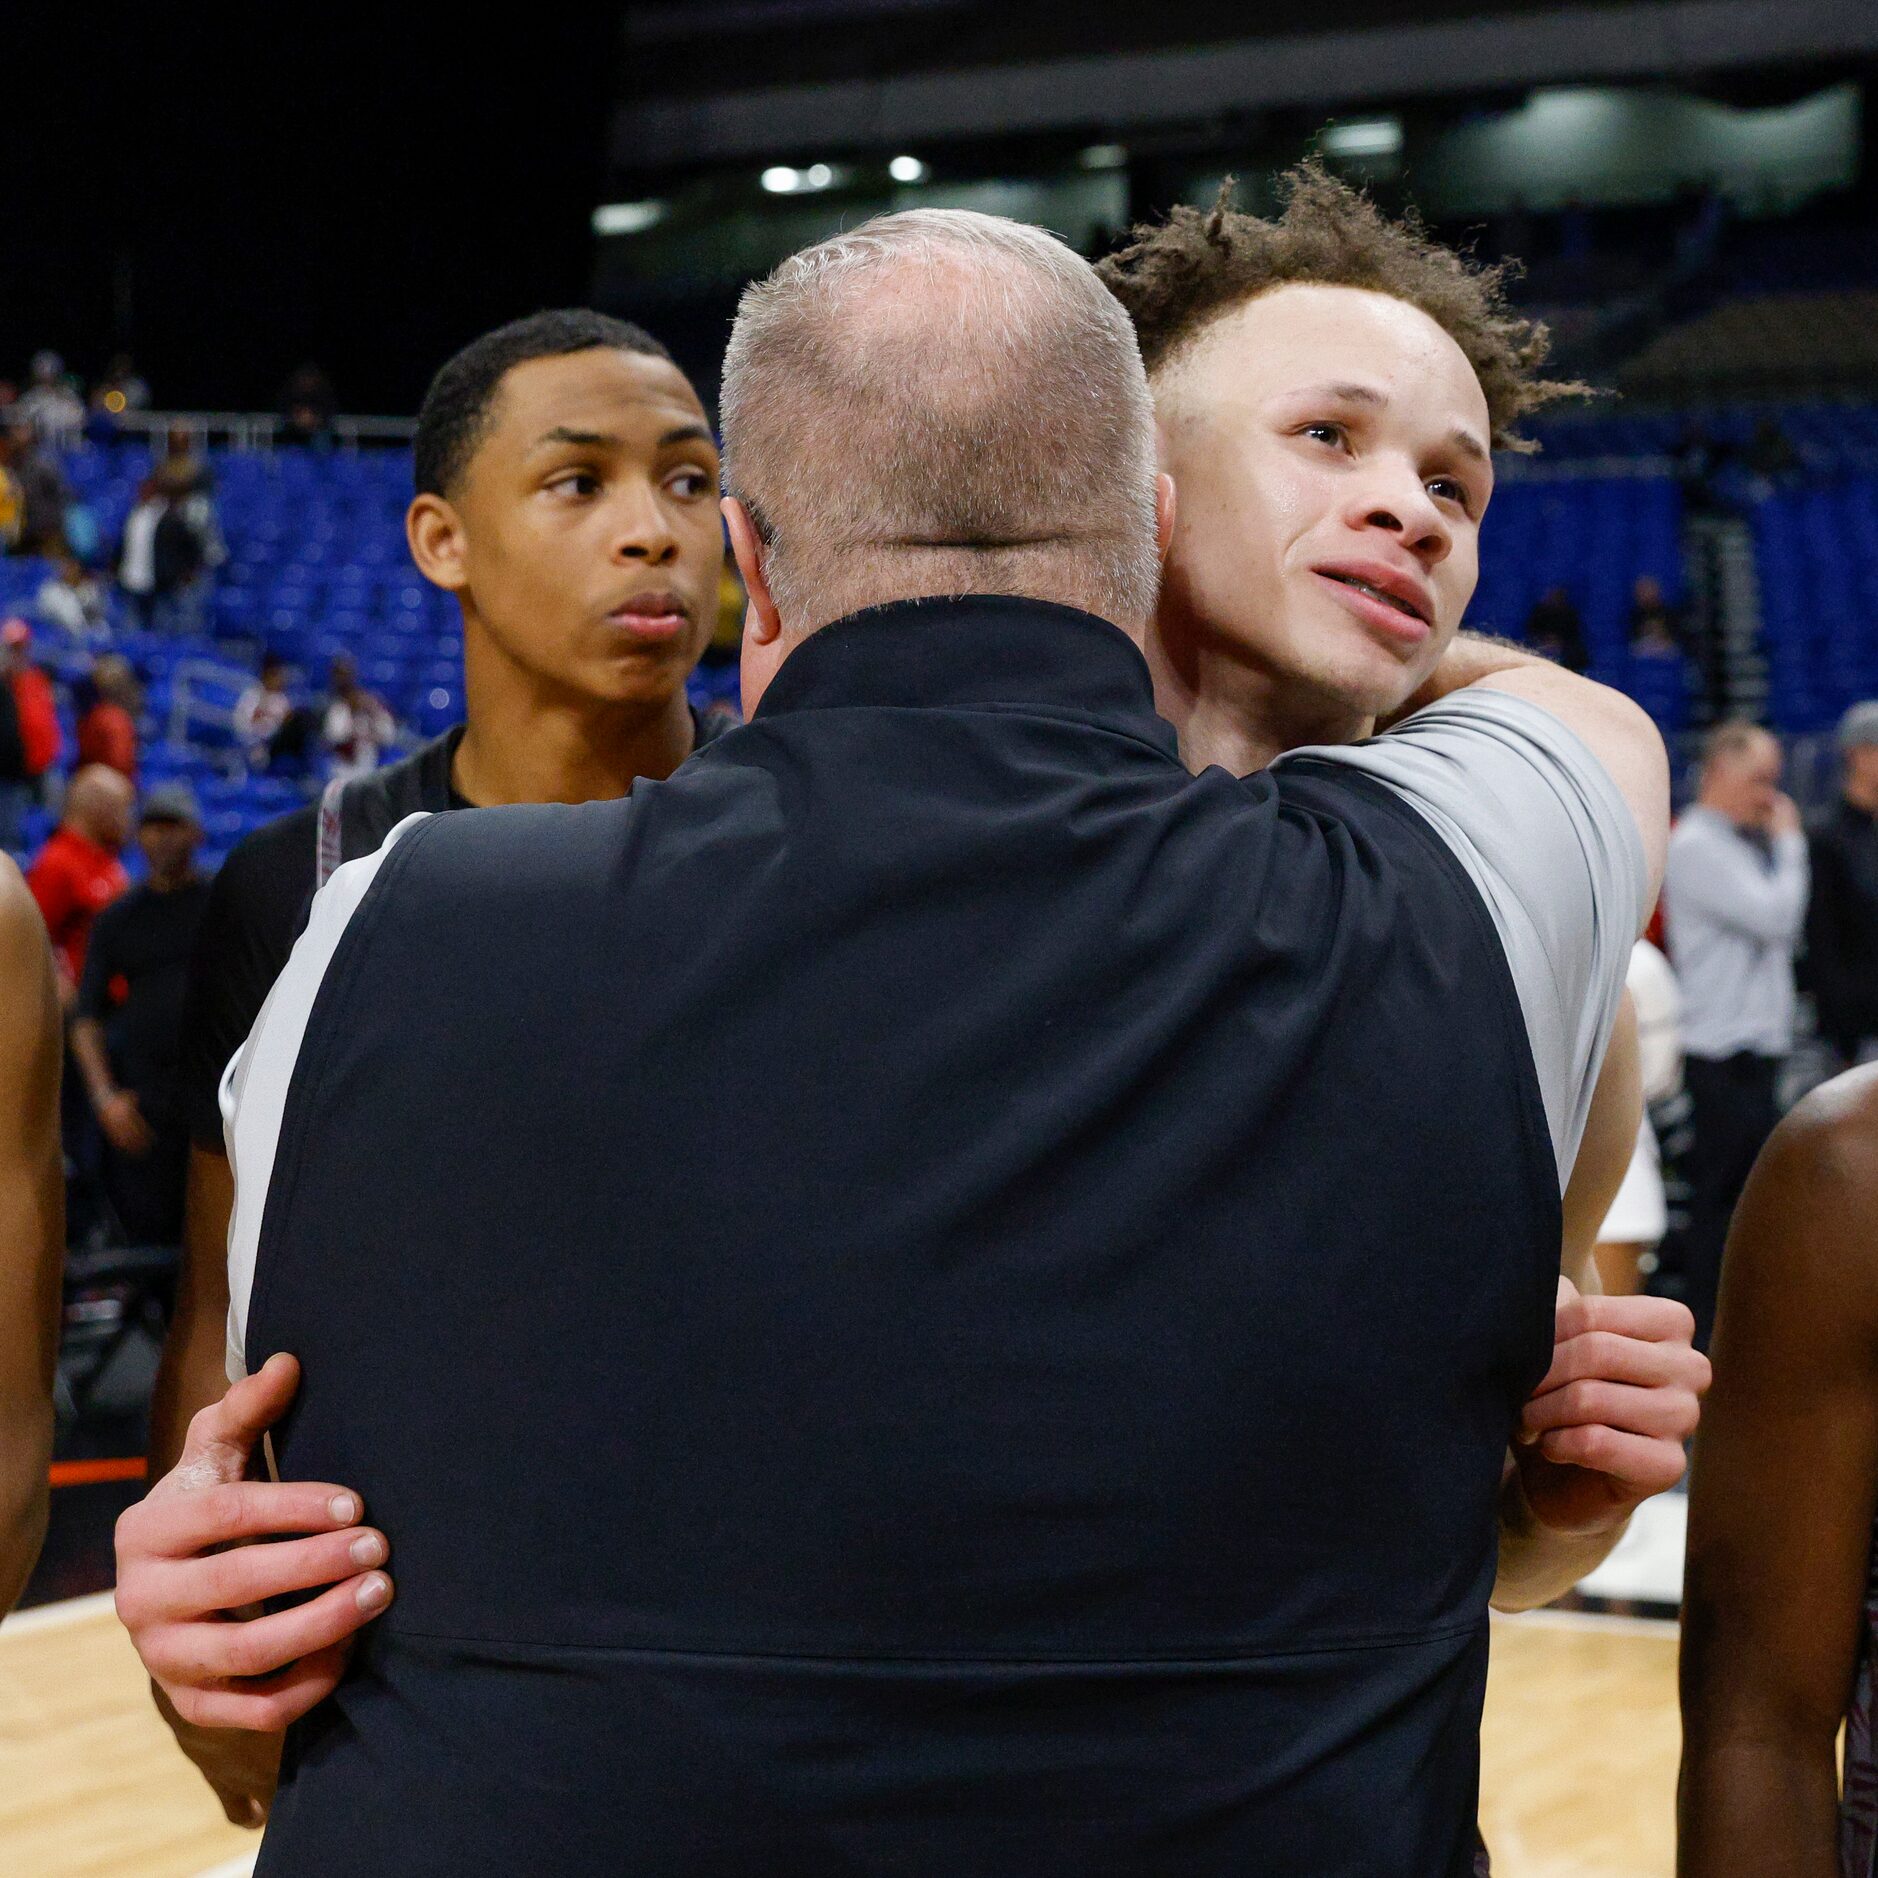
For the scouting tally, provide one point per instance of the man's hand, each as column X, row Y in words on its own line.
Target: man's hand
column 1783, row 818
column 1605, row 1429
column 188, row 1580
column 121, row 1117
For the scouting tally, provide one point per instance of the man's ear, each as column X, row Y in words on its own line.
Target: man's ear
column 1164, row 509
column 435, row 532
column 762, row 621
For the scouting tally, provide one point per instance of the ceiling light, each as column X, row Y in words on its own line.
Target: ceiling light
column 781, row 180
column 1368, row 136
column 817, row 176
column 908, row 169
column 627, row 218
column 1104, row 156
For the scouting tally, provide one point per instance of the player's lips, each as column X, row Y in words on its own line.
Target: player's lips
column 660, row 614
column 1386, row 597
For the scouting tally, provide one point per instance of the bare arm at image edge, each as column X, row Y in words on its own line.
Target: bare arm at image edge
column 32, row 1227
column 1781, row 1502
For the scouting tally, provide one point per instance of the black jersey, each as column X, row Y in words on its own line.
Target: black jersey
column 933, row 1294
column 258, row 904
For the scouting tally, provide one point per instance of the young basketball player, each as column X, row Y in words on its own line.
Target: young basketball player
column 1329, row 389
column 567, row 496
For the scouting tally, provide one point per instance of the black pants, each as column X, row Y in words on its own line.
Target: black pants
column 1732, row 1099
column 146, row 1190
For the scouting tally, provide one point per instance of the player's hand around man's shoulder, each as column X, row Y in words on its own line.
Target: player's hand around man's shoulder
column 192, row 1584
column 1606, row 1429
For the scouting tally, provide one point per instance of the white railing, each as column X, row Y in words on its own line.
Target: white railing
column 247, row 430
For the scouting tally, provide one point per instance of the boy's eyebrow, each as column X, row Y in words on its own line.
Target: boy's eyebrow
column 1465, row 441
column 606, row 440
column 1460, row 436
column 588, row 439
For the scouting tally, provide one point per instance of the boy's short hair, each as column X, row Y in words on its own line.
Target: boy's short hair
column 454, row 417
column 1180, row 275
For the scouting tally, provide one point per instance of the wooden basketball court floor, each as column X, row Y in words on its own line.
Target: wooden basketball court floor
column 1577, row 1779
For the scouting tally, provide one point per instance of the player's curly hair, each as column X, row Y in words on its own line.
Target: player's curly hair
column 1178, row 276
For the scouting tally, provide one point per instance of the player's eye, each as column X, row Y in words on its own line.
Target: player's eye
column 1449, row 489
column 691, row 482
column 578, row 482
column 1333, row 434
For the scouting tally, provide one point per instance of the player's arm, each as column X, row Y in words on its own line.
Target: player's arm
column 193, row 1370
column 32, row 1227
column 1617, row 731
column 1605, row 1429
column 1780, row 1510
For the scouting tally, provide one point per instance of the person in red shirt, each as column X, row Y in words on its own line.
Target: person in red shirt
column 40, row 737
column 107, row 725
column 77, row 872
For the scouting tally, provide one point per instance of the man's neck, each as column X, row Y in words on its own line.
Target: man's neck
column 169, row 883
column 527, row 750
column 1234, row 713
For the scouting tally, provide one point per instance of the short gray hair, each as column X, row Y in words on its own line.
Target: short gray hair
column 1858, row 728
column 942, row 402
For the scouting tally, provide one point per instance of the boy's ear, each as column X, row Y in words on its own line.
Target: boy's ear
column 435, row 532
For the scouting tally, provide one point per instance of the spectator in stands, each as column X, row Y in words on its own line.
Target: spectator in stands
column 272, row 730
column 1842, row 918
column 306, row 407
column 50, row 404
column 1734, row 901
column 1770, row 457
column 108, row 701
column 165, row 551
column 77, row 874
column 127, row 1024
column 1556, row 630
column 70, row 598
column 33, row 505
column 356, row 725
column 1654, row 627
column 34, row 708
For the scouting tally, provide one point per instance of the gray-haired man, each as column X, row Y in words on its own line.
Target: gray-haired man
column 1002, row 1393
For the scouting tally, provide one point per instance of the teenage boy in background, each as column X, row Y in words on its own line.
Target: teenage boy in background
column 567, row 496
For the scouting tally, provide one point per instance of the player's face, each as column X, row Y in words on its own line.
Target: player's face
column 1330, row 450
column 591, row 541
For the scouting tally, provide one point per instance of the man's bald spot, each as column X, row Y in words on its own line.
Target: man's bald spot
column 939, row 403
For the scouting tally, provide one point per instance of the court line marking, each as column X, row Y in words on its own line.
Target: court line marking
column 1591, row 1620
column 57, row 1616
column 233, row 1868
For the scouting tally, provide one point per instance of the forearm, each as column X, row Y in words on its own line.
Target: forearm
column 1537, row 1563
column 193, row 1371
column 87, row 1039
column 1761, row 1803
column 24, row 1500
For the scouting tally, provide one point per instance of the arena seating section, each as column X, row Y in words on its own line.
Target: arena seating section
column 317, row 565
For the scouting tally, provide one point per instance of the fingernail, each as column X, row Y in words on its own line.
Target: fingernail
column 368, row 1549
column 344, row 1508
column 374, row 1593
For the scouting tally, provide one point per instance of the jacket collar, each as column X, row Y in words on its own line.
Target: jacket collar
column 974, row 650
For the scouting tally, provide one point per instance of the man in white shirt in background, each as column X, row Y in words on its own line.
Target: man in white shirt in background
column 1734, row 901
